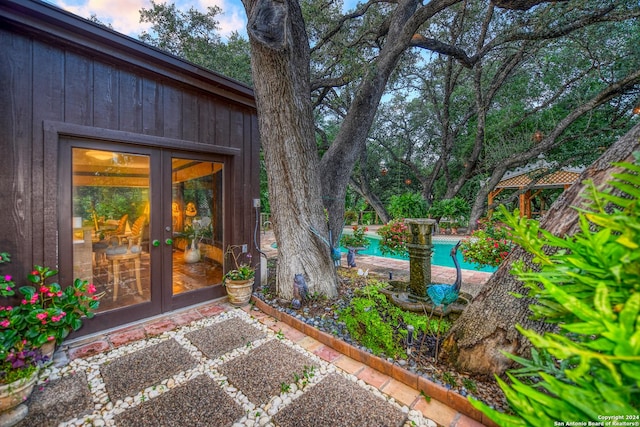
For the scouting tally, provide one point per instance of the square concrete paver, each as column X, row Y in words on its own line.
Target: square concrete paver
column 200, row 402
column 221, row 338
column 59, row 401
column 338, row 402
column 260, row 373
column 130, row 374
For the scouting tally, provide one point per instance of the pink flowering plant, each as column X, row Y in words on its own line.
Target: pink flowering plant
column 487, row 247
column 395, row 235
column 46, row 312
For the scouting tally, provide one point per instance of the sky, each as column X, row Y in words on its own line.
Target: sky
column 124, row 15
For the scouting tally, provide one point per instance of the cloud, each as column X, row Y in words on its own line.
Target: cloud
column 124, row 15
column 233, row 17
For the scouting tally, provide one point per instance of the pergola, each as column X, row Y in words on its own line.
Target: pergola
column 545, row 175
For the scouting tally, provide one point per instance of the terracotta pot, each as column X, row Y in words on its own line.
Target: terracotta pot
column 239, row 291
column 13, row 394
column 48, row 349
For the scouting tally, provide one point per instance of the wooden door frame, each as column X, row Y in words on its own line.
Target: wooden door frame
column 58, row 200
column 169, row 301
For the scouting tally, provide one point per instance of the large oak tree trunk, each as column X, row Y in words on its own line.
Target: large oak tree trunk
column 487, row 326
column 280, row 67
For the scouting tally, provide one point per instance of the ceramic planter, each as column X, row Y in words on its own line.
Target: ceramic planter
column 191, row 253
column 239, row 291
column 11, row 397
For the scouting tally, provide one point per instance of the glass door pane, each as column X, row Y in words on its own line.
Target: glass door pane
column 196, row 213
column 111, row 225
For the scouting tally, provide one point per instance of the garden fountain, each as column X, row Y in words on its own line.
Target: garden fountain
column 413, row 296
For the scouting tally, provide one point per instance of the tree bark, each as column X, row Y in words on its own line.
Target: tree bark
column 486, row 327
column 280, row 67
column 338, row 162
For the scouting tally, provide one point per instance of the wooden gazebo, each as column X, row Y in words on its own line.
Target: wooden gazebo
column 545, row 175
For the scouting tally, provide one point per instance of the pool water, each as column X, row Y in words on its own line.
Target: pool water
column 441, row 254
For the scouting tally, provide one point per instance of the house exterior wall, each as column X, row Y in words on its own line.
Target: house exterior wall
column 60, row 73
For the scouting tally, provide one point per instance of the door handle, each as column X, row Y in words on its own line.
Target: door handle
column 169, row 241
column 156, row 243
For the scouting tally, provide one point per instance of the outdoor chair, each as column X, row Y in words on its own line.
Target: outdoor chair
column 99, row 248
column 127, row 248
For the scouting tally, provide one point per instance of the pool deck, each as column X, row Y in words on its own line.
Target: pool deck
column 472, row 280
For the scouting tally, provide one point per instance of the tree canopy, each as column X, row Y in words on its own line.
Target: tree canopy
column 446, row 95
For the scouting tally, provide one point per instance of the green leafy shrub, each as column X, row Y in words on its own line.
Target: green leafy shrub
column 395, row 235
column 456, row 210
column 356, row 239
column 373, row 321
column 486, row 247
column 590, row 288
column 350, row 217
column 407, row 205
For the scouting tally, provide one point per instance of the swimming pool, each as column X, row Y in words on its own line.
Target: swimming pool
column 441, row 254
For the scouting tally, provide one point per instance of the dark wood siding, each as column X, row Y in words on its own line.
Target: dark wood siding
column 57, row 68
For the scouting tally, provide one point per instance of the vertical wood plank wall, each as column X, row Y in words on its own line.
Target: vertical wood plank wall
column 42, row 80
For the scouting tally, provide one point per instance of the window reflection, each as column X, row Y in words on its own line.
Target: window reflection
column 111, row 224
column 196, row 212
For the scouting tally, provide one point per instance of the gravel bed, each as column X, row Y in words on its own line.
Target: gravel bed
column 133, row 372
column 261, row 373
column 350, row 405
column 218, row 339
column 58, row 401
column 323, row 315
column 168, row 380
column 200, row 402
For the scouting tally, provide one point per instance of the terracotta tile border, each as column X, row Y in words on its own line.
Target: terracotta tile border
column 435, row 391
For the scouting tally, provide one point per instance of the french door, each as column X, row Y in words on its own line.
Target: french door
column 144, row 225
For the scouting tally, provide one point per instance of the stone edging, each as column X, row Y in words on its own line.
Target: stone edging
column 435, row 391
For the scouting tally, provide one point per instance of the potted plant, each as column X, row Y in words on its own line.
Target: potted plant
column 239, row 280
column 47, row 313
column 19, row 367
column 193, row 234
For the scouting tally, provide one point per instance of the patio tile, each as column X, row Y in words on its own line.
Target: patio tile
column 400, row 392
column 436, row 410
column 349, row 365
column 291, row 333
column 327, row 353
column 310, row 344
column 373, row 377
column 463, row 421
column 211, row 310
column 90, row 349
column 186, row 318
column 118, row 339
column 159, row 327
